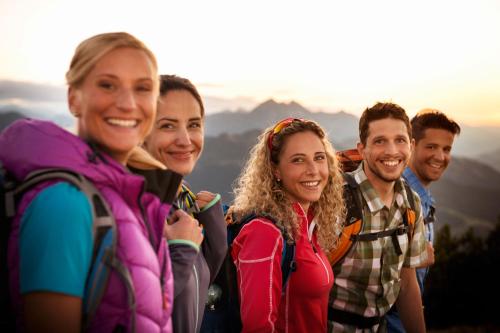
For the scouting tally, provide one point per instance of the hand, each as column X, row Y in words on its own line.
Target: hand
column 183, row 227
column 203, row 198
column 430, row 254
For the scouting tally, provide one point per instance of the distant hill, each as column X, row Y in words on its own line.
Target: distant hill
column 467, row 195
column 491, row 158
column 477, row 141
column 8, row 117
column 342, row 127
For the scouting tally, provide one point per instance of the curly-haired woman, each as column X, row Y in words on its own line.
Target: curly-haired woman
column 292, row 175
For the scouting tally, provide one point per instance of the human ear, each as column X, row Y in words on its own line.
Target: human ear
column 74, row 101
column 361, row 148
column 277, row 174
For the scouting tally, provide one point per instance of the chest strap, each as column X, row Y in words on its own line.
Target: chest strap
column 393, row 233
column 352, row 319
column 431, row 216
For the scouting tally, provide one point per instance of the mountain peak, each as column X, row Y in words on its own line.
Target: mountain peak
column 266, row 104
column 286, row 108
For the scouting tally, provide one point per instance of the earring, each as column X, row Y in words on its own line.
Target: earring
column 278, row 180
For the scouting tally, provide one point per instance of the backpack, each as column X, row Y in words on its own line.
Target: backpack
column 104, row 233
column 349, row 160
column 222, row 312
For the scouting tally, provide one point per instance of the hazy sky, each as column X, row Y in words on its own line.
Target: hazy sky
column 327, row 55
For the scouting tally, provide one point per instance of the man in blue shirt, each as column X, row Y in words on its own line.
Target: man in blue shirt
column 433, row 134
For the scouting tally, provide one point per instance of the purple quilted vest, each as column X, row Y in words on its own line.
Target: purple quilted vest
column 29, row 145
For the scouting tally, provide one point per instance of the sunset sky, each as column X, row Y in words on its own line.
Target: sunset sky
column 326, row 55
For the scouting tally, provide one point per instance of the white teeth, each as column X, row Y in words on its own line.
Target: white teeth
column 437, row 166
column 391, row 163
column 311, row 184
column 122, row 122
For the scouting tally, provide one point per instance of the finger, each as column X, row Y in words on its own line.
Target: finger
column 179, row 213
column 200, row 235
column 205, row 195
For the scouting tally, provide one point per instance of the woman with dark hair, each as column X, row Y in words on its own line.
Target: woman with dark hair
column 177, row 141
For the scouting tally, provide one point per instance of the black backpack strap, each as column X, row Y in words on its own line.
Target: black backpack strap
column 351, row 199
column 393, row 233
column 352, row 319
column 355, row 213
column 7, row 317
column 431, row 216
column 104, row 224
column 100, row 211
column 288, row 263
column 409, row 194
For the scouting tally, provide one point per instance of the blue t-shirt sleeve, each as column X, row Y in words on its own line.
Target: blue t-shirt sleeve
column 56, row 242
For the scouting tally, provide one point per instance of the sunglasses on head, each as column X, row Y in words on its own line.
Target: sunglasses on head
column 279, row 127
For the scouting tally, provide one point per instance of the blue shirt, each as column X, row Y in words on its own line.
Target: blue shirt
column 427, row 201
column 425, row 197
column 55, row 241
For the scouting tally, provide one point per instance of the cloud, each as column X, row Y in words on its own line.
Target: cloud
column 29, row 91
column 35, row 100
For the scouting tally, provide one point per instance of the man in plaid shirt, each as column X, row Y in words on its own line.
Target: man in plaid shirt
column 373, row 276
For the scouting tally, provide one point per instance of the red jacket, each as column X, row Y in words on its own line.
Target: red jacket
column 257, row 252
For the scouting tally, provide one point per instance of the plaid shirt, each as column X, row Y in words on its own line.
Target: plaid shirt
column 367, row 281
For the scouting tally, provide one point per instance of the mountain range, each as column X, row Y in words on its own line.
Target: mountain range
column 341, row 126
column 467, row 194
column 482, row 143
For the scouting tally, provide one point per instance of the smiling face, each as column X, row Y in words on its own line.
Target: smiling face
column 432, row 154
column 303, row 168
column 177, row 136
column 116, row 102
column 386, row 151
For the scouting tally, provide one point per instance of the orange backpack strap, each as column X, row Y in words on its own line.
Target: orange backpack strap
column 410, row 217
column 353, row 222
column 345, row 242
column 353, row 226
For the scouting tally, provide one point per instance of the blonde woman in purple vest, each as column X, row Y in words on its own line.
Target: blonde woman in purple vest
column 112, row 92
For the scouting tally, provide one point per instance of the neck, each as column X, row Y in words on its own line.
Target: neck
column 120, row 158
column 384, row 189
column 305, row 207
column 424, row 183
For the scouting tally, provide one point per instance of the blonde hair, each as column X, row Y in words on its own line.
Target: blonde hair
column 94, row 48
column 257, row 190
column 141, row 159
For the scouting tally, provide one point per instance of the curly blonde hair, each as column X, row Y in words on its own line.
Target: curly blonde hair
column 257, row 190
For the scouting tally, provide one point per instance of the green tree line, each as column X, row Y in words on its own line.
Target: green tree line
column 463, row 286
